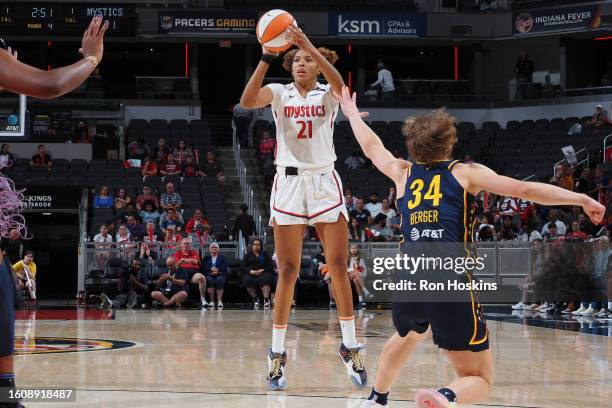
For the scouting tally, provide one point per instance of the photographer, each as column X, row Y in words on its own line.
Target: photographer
column 133, row 286
column 171, row 286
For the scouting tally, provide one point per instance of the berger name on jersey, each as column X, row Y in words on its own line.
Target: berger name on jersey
column 429, row 216
column 304, row 111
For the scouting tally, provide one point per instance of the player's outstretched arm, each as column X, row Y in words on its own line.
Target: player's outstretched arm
column 254, row 96
column 482, row 178
column 331, row 74
column 21, row 78
column 369, row 141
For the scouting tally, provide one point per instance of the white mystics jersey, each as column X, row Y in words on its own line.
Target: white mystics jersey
column 304, row 126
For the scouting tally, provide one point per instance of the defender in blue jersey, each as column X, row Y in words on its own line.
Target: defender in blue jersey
column 435, row 203
column 21, row 78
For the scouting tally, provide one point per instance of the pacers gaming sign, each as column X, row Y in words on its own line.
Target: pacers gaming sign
column 206, row 22
column 557, row 19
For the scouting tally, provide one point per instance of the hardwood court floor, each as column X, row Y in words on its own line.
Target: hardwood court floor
column 198, row 358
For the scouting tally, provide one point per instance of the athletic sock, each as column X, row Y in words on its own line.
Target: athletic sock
column 378, row 397
column 347, row 325
column 610, row 306
column 449, row 394
column 278, row 338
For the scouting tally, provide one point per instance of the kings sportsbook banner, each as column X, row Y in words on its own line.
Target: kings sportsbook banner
column 207, row 22
column 556, row 19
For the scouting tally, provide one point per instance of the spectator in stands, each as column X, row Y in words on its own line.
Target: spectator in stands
column 102, row 242
column 123, row 214
column 171, row 286
column 42, row 158
column 6, row 157
column 190, row 168
column 170, row 198
column 189, row 260
column 353, row 200
column 356, row 233
column 146, row 195
column 548, row 88
column 149, row 213
column 244, row 223
column 13, row 247
column 203, row 234
column 395, row 224
column 161, row 152
column 135, row 227
column 138, row 149
column 149, row 167
column 80, row 133
column 122, row 199
column 553, row 218
column 486, row 234
column 391, row 196
column 181, row 152
column 361, row 214
column 210, row 167
column 508, row 231
column 531, row 233
column 171, row 237
column 563, row 177
column 373, row 206
column 123, row 237
column 387, row 210
column 576, row 233
column 215, row 269
column 524, row 75
column 385, row 82
column 348, row 202
column 267, row 145
column 25, row 271
column 600, row 117
column 133, row 287
column 146, row 253
column 152, row 234
column 173, row 219
column 357, row 271
column 103, row 199
column 242, row 119
column 380, row 230
column 171, row 167
column 257, row 267
column 197, row 219
column 585, row 183
column 551, row 233
column 354, row 161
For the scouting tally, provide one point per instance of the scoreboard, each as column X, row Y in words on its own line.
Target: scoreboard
column 63, row 19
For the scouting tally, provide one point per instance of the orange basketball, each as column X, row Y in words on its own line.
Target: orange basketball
column 271, row 29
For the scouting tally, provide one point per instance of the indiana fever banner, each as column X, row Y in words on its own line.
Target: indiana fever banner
column 557, row 19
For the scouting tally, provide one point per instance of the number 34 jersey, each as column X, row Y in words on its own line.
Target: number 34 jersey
column 304, row 126
column 435, row 207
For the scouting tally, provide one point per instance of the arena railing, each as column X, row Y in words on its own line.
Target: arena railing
column 578, row 163
column 594, row 90
column 605, row 146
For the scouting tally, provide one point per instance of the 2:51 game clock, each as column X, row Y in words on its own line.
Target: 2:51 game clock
column 63, row 20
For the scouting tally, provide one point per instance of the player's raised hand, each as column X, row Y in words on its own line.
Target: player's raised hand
column 93, row 38
column 295, row 36
column 594, row 210
column 348, row 103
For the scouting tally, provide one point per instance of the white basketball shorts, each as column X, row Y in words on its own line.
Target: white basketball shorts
column 310, row 197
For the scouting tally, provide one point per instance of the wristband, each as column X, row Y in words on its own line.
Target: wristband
column 268, row 58
column 93, row 59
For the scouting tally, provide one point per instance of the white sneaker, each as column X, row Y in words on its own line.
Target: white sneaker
column 603, row 312
column 579, row 311
column 589, row 312
column 542, row 307
column 372, row 404
column 204, row 303
column 106, row 302
column 220, row 305
column 266, row 304
column 519, row 306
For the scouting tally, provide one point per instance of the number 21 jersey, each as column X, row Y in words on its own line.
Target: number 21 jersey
column 304, row 126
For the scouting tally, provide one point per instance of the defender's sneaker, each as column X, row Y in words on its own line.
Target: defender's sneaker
column 354, row 366
column 276, row 371
column 432, row 399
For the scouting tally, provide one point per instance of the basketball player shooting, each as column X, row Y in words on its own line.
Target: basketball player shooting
column 306, row 189
column 432, row 182
column 21, row 78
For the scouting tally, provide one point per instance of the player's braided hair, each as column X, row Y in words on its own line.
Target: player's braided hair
column 329, row 55
column 430, row 136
